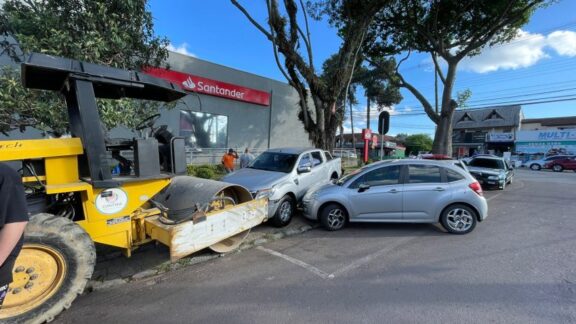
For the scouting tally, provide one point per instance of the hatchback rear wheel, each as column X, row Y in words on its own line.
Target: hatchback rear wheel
column 333, row 217
column 458, row 219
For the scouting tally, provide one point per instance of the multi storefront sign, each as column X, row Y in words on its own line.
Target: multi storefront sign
column 546, row 142
column 211, row 87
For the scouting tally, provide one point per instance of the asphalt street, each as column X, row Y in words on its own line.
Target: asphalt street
column 518, row 266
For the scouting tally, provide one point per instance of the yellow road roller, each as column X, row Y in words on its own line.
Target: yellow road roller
column 75, row 199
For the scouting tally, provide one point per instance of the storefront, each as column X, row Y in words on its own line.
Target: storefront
column 546, row 142
column 228, row 108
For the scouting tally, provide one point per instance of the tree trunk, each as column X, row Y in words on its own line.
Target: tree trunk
column 443, row 137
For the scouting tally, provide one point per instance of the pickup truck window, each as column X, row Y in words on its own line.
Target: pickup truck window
column 316, row 158
column 273, row 161
column 328, row 156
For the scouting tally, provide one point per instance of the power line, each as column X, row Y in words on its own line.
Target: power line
column 525, row 103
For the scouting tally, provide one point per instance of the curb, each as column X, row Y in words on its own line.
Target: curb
column 257, row 240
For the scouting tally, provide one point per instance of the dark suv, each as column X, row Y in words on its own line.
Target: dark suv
column 491, row 171
column 559, row 165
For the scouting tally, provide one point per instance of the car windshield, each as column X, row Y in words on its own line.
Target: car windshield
column 487, row 163
column 274, row 161
column 347, row 177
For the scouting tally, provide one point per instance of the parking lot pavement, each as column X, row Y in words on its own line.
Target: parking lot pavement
column 112, row 268
column 516, row 267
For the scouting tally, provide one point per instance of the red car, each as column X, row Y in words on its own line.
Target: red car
column 568, row 163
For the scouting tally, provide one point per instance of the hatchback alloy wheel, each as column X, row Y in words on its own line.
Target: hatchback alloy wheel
column 333, row 217
column 458, row 219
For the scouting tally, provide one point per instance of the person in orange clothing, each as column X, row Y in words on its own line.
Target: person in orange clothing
column 228, row 160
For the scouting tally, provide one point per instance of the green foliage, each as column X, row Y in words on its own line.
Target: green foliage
column 206, row 171
column 418, row 142
column 462, row 98
column 117, row 33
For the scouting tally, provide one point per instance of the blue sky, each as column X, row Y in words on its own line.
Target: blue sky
column 538, row 66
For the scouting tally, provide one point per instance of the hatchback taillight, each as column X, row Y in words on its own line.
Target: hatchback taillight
column 476, row 187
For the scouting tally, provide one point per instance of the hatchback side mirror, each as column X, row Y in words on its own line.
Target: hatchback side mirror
column 363, row 187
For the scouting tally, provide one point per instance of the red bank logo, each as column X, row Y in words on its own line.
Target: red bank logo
column 189, row 83
column 212, row 87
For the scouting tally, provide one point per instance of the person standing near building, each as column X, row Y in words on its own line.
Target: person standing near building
column 228, row 160
column 13, row 220
column 246, row 158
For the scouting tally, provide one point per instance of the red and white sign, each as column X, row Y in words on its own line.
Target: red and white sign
column 198, row 84
column 366, row 134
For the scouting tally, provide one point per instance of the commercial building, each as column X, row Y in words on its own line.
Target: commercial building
column 228, row 108
column 547, row 136
column 490, row 130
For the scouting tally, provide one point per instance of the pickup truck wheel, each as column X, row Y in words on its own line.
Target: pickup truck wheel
column 284, row 213
column 333, row 217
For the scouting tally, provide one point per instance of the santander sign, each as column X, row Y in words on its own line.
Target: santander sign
column 198, row 84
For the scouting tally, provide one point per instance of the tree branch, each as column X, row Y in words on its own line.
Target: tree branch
column 254, row 22
column 306, row 38
column 437, row 67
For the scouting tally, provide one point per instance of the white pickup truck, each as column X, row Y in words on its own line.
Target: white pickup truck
column 284, row 175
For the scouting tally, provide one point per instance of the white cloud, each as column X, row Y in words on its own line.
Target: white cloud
column 182, row 49
column 524, row 51
column 563, row 42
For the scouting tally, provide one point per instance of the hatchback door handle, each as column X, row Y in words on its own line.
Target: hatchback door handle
column 439, row 189
column 393, row 191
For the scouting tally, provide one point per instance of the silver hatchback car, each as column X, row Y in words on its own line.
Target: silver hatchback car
column 401, row 191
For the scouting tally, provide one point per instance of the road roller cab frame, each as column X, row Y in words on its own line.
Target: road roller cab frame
column 77, row 200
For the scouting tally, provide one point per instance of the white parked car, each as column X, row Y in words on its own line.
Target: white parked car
column 284, row 175
column 539, row 164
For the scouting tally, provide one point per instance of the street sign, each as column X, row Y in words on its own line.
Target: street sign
column 383, row 122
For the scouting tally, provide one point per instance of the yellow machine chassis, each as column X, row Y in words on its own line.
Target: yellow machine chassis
column 137, row 222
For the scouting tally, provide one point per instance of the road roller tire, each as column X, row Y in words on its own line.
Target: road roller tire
column 55, row 263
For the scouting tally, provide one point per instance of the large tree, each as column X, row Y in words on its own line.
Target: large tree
column 291, row 42
column 117, row 33
column 449, row 31
column 377, row 86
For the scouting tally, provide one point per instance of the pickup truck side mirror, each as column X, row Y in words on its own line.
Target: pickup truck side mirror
column 363, row 187
column 305, row 168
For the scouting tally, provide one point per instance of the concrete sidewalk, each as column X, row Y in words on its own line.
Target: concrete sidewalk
column 113, row 268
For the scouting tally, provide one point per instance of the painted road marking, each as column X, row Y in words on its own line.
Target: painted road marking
column 297, row 262
column 354, row 265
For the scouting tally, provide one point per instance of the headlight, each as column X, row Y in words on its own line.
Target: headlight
column 265, row 193
column 502, row 175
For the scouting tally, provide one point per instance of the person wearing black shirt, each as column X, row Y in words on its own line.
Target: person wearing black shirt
column 13, row 220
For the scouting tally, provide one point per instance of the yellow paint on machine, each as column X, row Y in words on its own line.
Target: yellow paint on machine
column 186, row 238
column 39, row 149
